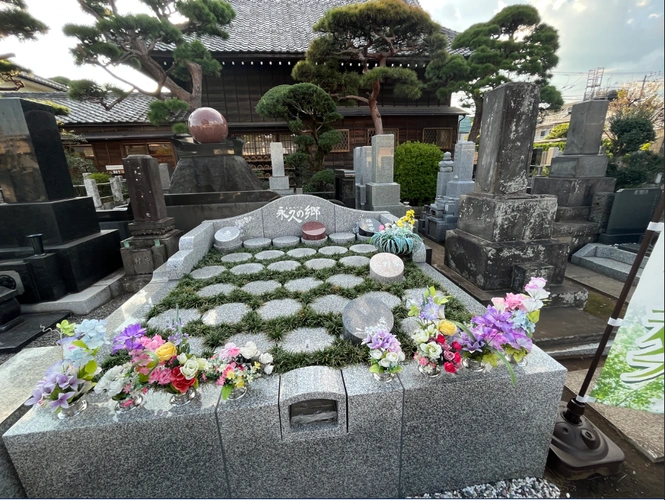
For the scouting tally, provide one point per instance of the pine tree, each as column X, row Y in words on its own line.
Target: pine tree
column 350, row 60
column 129, row 39
column 514, row 44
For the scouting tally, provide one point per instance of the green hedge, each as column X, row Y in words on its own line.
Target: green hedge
column 416, row 168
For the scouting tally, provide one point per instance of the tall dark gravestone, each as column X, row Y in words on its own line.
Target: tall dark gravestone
column 504, row 234
column 40, row 200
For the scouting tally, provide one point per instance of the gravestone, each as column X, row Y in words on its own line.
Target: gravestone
column 154, row 236
column 386, row 268
column 502, row 226
column 442, row 216
column 278, row 181
column 577, row 176
column 362, row 166
column 368, row 227
column 631, row 213
column 228, row 239
column 363, row 313
column 313, row 230
column 382, row 194
column 40, row 199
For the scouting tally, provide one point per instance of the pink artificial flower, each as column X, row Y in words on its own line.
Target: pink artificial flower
column 160, row 376
column 152, row 343
column 230, row 350
column 449, row 367
column 448, row 355
column 423, row 361
column 381, row 227
column 499, row 303
column 535, row 284
column 228, row 371
column 514, row 301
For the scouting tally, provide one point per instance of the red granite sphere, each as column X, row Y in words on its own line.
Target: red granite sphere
column 207, row 125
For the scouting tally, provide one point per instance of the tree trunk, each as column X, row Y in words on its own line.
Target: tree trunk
column 475, row 126
column 374, row 108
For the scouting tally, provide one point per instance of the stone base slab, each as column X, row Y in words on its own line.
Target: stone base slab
column 564, row 214
column 489, row 265
column 382, row 194
column 436, row 228
column 278, row 182
column 573, row 191
column 579, row 166
column 263, row 461
column 507, row 218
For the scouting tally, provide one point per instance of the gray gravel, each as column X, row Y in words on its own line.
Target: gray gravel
column 528, row 487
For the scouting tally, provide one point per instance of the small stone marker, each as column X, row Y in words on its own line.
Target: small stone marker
column 332, row 250
column 320, row 263
column 342, row 238
column 269, row 255
column 363, row 248
column 218, row 289
column 226, row 314
column 306, row 340
column 313, row 230
column 302, row 284
column 228, row 238
column 247, row 269
column 368, row 227
column 237, row 257
column 386, row 268
column 301, row 253
column 362, row 313
column 354, row 261
column 261, row 287
column 345, row 280
column 257, row 243
column 207, row 272
column 284, row 265
column 285, row 241
column 279, row 308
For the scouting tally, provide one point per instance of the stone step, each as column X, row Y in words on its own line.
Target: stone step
column 567, row 295
column 608, row 267
column 574, row 228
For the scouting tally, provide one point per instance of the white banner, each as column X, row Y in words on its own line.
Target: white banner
column 633, row 372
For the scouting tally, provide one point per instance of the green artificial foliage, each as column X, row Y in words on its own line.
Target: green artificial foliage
column 514, row 44
column 100, row 177
column 637, row 169
column 396, row 240
column 559, row 131
column 16, row 21
column 416, row 169
column 359, row 45
column 117, row 39
column 547, row 145
column 309, row 112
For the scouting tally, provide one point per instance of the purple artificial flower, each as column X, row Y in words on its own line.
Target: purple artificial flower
column 430, row 311
column 178, row 338
column 61, row 400
column 129, row 339
column 37, row 395
column 383, row 340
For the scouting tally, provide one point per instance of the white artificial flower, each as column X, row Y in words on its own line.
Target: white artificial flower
column 108, row 378
column 268, row 369
column 182, row 358
column 376, row 353
column 531, row 305
column 420, row 336
column 401, row 356
column 432, row 350
column 204, row 364
column 249, row 351
column 190, row 369
column 265, row 358
column 384, row 362
column 539, row 294
column 393, row 357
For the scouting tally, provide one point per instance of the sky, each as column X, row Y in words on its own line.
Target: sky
column 625, row 37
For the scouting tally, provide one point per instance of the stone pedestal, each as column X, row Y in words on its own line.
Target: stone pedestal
column 278, row 181
column 10, row 310
column 578, row 176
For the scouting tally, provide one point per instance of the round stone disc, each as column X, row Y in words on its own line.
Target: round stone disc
column 368, row 226
column 313, row 230
column 227, row 237
column 386, row 268
column 362, row 313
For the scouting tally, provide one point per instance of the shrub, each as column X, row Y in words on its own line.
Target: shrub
column 416, row 168
column 78, row 166
column 321, row 181
column 547, row 145
column 637, row 169
column 100, row 177
column 559, row 131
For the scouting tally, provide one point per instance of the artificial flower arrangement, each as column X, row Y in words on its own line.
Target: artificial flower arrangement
column 385, row 351
column 505, row 330
column 397, row 238
column 235, row 367
column 73, row 376
column 435, row 339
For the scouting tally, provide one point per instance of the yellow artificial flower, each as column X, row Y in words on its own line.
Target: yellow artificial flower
column 166, row 351
column 447, row 327
column 240, row 382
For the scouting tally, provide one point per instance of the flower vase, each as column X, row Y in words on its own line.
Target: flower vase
column 384, row 377
column 130, row 403
column 238, row 392
column 522, row 362
column 184, row 399
column 74, row 409
column 430, row 370
column 474, row 365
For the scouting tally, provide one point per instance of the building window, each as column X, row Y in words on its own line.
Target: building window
column 371, row 132
column 84, row 152
column 343, row 145
column 287, row 143
column 442, row 137
column 136, row 149
column 543, row 133
column 257, row 144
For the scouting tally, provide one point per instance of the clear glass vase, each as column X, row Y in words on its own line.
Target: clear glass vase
column 184, row 399
column 131, row 403
column 384, row 377
column 474, row 365
column 238, row 392
column 429, row 370
column 74, row 409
